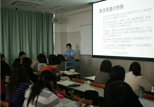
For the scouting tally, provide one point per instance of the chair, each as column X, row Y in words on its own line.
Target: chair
column 148, row 96
column 78, row 80
column 97, row 85
column 85, row 101
column 4, row 104
column 57, row 87
column 92, row 95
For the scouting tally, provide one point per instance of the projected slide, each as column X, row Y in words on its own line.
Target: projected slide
column 123, row 28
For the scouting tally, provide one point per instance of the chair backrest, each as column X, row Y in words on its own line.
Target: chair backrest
column 85, row 101
column 97, row 85
column 57, row 87
column 78, row 80
column 75, row 98
column 4, row 104
column 92, row 95
column 148, row 96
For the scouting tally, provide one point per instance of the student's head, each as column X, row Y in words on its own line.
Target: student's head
column 2, row 57
column 27, row 62
column 120, row 94
column 68, row 46
column 17, row 61
column 18, row 76
column 54, row 61
column 42, row 58
column 5, row 70
column 47, row 80
column 117, row 73
column 105, row 66
column 135, row 68
column 22, row 55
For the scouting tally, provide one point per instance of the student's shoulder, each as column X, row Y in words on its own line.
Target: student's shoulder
column 25, row 84
column 73, row 50
column 48, row 94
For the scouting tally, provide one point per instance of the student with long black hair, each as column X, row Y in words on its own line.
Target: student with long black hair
column 42, row 94
column 18, row 83
column 27, row 65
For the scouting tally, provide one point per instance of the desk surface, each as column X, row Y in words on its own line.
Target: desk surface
column 68, row 102
column 82, row 87
column 91, row 78
column 69, row 73
column 146, row 102
column 152, row 90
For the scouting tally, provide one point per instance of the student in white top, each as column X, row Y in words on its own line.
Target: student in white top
column 136, row 80
column 41, row 94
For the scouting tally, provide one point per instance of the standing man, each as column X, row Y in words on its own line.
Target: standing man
column 70, row 55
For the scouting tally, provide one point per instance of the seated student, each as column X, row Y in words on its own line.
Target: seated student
column 17, row 85
column 35, row 63
column 54, row 62
column 5, row 70
column 103, row 75
column 42, row 94
column 42, row 61
column 116, row 73
column 120, row 94
column 27, row 65
column 136, row 80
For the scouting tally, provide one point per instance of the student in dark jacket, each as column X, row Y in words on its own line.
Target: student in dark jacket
column 27, row 65
column 117, row 93
column 120, row 94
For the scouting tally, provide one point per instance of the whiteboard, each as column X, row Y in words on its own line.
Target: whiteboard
column 86, row 39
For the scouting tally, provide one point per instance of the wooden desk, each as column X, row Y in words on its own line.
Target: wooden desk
column 82, row 87
column 91, row 78
column 146, row 102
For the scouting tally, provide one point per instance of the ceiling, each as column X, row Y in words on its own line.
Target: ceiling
column 50, row 6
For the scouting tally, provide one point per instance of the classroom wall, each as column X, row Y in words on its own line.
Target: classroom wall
column 69, row 31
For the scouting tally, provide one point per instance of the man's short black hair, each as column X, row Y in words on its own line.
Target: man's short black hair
column 117, row 73
column 21, row 53
column 53, row 60
column 2, row 56
column 69, row 45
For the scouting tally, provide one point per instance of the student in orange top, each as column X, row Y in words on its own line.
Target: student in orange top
column 54, row 62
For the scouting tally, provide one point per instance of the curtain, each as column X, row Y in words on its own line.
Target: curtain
column 31, row 32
